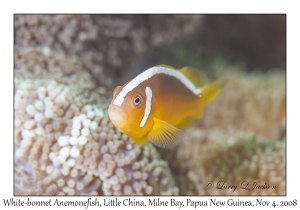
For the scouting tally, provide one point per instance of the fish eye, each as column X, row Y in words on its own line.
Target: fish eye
column 136, row 100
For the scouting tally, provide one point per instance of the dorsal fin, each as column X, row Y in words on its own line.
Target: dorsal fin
column 197, row 77
column 166, row 66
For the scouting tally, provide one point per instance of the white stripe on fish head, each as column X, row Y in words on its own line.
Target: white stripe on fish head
column 150, row 73
column 147, row 107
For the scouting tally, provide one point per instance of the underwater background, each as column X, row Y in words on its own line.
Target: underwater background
column 67, row 66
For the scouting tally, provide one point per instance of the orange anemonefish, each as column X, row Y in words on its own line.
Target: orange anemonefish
column 159, row 102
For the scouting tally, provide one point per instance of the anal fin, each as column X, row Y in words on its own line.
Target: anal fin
column 140, row 142
column 186, row 122
column 164, row 134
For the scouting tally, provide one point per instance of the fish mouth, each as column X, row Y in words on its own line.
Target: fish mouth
column 117, row 114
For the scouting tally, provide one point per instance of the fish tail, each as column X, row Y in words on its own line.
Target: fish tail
column 208, row 93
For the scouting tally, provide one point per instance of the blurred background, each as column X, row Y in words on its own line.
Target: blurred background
column 258, row 41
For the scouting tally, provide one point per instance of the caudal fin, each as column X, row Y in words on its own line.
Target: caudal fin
column 209, row 92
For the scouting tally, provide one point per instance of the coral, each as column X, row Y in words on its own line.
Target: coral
column 106, row 46
column 64, row 141
column 42, row 62
column 251, row 102
column 209, row 160
column 66, row 145
column 66, row 67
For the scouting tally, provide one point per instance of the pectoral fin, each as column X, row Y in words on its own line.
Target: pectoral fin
column 164, row 134
column 117, row 90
